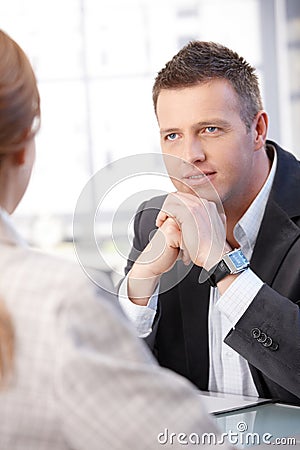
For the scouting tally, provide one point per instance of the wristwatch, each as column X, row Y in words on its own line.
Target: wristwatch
column 232, row 262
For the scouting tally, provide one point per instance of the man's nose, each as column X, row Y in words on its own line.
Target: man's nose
column 193, row 150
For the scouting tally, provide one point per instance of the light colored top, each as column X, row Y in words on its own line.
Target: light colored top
column 229, row 372
column 82, row 380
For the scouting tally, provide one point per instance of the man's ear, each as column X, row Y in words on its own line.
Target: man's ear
column 260, row 128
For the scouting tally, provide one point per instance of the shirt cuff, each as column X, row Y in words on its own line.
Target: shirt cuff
column 239, row 295
column 141, row 316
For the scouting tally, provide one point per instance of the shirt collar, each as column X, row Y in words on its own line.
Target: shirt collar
column 8, row 232
column 246, row 230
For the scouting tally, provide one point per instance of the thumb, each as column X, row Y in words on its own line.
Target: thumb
column 223, row 218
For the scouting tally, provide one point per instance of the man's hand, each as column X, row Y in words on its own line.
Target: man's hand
column 203, row 233
column 190, row 229
column 158, row 257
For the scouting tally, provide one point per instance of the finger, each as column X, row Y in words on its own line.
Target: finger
column 171, row 226
column 161, row 218
column 164, row 215
column 165, row 212
column 185, row 257
column 223, row 218
column 180, row 254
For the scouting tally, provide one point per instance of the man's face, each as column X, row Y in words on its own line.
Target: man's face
column 202, row 126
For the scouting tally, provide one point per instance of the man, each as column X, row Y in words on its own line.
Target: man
column 224, row 325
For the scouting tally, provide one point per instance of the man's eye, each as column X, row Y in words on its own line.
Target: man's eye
column 172, row 136
column 211, row 129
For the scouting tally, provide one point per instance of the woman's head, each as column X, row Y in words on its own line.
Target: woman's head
column 19, row 97
column 19, row 121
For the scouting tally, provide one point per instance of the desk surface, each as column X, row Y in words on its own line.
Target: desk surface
column 255, row 422
column 218, row 403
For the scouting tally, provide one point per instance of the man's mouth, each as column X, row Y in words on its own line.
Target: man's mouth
column 198, row 178
column 195, row 177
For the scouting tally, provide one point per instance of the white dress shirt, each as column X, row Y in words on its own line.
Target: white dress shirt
column 229, row 372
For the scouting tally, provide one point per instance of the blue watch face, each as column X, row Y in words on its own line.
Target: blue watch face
column 238, row 259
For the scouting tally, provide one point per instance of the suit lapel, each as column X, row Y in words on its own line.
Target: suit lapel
column 278, row 231
column 277, row 234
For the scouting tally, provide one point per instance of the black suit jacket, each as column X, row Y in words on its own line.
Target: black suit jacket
column 179, row 338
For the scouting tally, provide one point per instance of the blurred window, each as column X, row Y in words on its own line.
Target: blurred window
column 96, row 62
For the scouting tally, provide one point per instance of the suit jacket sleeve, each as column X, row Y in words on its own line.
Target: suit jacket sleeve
column 139, row 243
column 268, row 336
column 144, row 227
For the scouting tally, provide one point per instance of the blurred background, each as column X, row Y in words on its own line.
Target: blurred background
column 96, row 61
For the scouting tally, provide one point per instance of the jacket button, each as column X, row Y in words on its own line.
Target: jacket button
column 274, row 346
column 255, row 332
column 268, row 342
column 262, row 338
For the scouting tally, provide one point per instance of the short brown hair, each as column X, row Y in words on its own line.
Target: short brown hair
column 19, row 96
column 199, row 62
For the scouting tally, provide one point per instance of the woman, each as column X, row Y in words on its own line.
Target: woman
column 72, row 373
column 19, row 117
